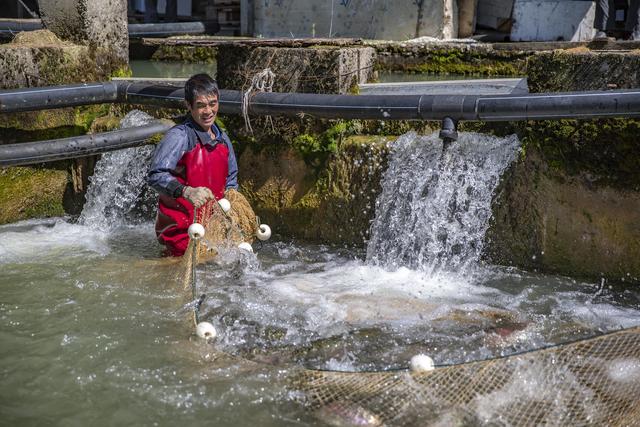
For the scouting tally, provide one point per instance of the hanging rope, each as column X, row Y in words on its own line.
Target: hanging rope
column 261, row 82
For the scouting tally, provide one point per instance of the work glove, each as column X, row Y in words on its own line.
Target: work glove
column 198, row 196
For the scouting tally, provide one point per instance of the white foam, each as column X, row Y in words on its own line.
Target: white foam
column 360, row 294
column 626, row 370
column 35, row 240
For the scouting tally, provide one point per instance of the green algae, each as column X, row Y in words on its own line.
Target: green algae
column 191, row 54
column 452, row 60
column 31, row 192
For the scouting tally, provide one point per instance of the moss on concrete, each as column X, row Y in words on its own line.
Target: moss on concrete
column 49, row 124
column 39, row 58
column 451, row 59
column 571, row 70
column 31, row 192
column 192, row 54
column 546, row 220
column 603, row 151
column 330, row 204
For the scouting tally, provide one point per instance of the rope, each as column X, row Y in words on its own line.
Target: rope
column 194, row 283
column 262, row 82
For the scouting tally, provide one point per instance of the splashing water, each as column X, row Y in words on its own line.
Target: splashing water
column 435, row 206
column 118, row 194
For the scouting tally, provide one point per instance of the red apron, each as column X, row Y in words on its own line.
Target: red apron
column 204, row 166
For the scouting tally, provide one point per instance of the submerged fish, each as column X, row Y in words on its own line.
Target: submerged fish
column 347, row 414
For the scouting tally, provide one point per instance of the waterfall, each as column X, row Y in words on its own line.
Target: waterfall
column 435, row 205
column 117, row 193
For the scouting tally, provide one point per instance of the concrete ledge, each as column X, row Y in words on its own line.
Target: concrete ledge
column 448, row 87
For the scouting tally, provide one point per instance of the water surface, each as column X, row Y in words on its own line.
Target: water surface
column 94, row 329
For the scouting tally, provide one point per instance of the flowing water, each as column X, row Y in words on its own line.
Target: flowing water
column 93, row 329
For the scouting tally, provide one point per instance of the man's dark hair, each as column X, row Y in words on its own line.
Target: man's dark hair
column 200, row 84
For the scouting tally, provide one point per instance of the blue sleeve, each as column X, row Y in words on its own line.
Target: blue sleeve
column 232, row 175
column 165, row 158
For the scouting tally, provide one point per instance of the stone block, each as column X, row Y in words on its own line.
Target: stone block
column 302, row 70
column 583, row 69
column 101, row 24
column 571, row 204
column 540, row 20
column 39, row 58
column 31, row 192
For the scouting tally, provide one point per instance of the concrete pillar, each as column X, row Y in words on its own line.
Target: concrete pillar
column 467, row 17
column 247, row 17
column 101, row 24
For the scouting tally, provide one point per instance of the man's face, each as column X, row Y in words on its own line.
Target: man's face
column 204, row 110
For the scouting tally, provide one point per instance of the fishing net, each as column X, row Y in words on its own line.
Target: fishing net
column 590, row 382
column 237, row 225
column 594, row 381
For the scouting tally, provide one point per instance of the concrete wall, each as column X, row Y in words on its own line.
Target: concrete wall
column 551, row 20
column 383, row 19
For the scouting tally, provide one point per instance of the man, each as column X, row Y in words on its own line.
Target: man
column 605, row 19
column 192, row 164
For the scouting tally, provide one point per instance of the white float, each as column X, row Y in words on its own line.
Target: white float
column 421, row 363
column 225, row 205
column 264, row 232
column 196, row 231
column 206, row 330
column 245, row 247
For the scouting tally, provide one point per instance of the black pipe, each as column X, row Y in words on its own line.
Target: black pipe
column 620, row 103
column 79, row 146
column 449, row 108
column 41, row 98
column 449, row 130
column 8, row 28
column 541, row 106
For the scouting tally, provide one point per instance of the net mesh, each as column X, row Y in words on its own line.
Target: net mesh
column 591, row 382
column 233, row 227
column 594, row 381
